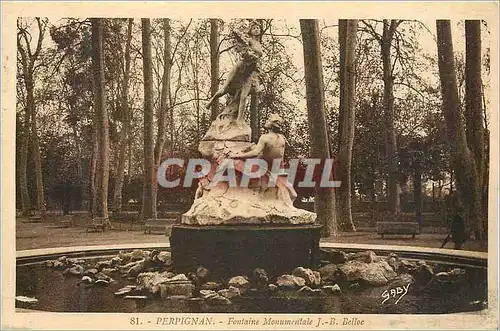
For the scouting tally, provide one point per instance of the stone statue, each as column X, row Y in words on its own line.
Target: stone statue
column 244, row 76
column 266, row 200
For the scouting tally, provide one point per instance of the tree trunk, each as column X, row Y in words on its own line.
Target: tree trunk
column 23, row 176
column 79, row 169
column 473, row 99
column 433, row 193
column 451, row 181
column 254, row 116
column 417, row 190
column 122, row 154
column 101, row 119
column 392, row 184
column 462, row 159
column 93, row 172
column 28, row 58
column 347, row 41
column 373, row 199
column 129, row 161
column 324, row 198
column 94, row 155
column 194, row 64
column 214, row 65
column 30, row 101
column 165, row 95
column 148, row 196
column 164, row 106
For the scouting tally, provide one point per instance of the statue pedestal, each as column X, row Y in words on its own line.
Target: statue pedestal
column 232, row 250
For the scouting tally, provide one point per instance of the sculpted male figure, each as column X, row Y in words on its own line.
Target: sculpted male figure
column 271, row 145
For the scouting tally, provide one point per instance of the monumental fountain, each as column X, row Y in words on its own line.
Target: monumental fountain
column 244, row 247
column 243, row 223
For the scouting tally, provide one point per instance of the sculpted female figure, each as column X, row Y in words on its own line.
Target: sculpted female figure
column 243, row 76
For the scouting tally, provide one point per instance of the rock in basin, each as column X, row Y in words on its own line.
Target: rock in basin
column 312, row 278
column 239, row 282
column 184, row 288
column 211, row 286
column 155, row 282
column 290, row 281
column 135, row 297
column 366, row 256
column 218, row 299
column 25, row 299
column 306, row 290
column 375, row 273
column 335, row 289
column 327, row 273
column 230, row 292
column 260, row 277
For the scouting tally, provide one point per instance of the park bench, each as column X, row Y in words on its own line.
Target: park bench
column 412, row 228
column 37, row 218
column 160, row 225
column 97, row 224
column 67, row 221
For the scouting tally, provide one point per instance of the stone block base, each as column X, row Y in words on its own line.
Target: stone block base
column 232, row 250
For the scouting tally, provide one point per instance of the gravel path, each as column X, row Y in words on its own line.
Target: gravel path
column 50, row 234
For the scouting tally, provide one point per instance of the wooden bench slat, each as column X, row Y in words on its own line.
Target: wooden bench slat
column 97, row 223
column 162, row 225
column 411, row 228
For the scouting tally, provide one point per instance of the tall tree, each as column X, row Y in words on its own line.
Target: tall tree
column 28, row 60
column 324, row 198
column 101, row 120
column 164, row 101
column 214, row 65
column 148, row 206
column 462, row 159
column 473, row 99
column 392, row 183
column 125, row 116
column 386, row 40
column 265, row 25
column 254, row 115
column 93, row 176
column 23, row 162
column 347, row 43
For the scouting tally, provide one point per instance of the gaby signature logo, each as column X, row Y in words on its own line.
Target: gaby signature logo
column 395, row 292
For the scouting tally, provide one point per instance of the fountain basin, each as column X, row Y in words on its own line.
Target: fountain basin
column 58, row 293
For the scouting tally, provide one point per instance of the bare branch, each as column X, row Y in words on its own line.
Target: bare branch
column 179, row 80
column 372, row 31
column 398, row 54
column 425, row 27
column 227, row 49
column 41, row 32
column 24, row 57
column 25, row 34
column 410, row 87
column 180, row 103
column 179, row 41
column 221, row 41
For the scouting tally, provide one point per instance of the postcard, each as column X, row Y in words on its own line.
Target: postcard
column 249, row 165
